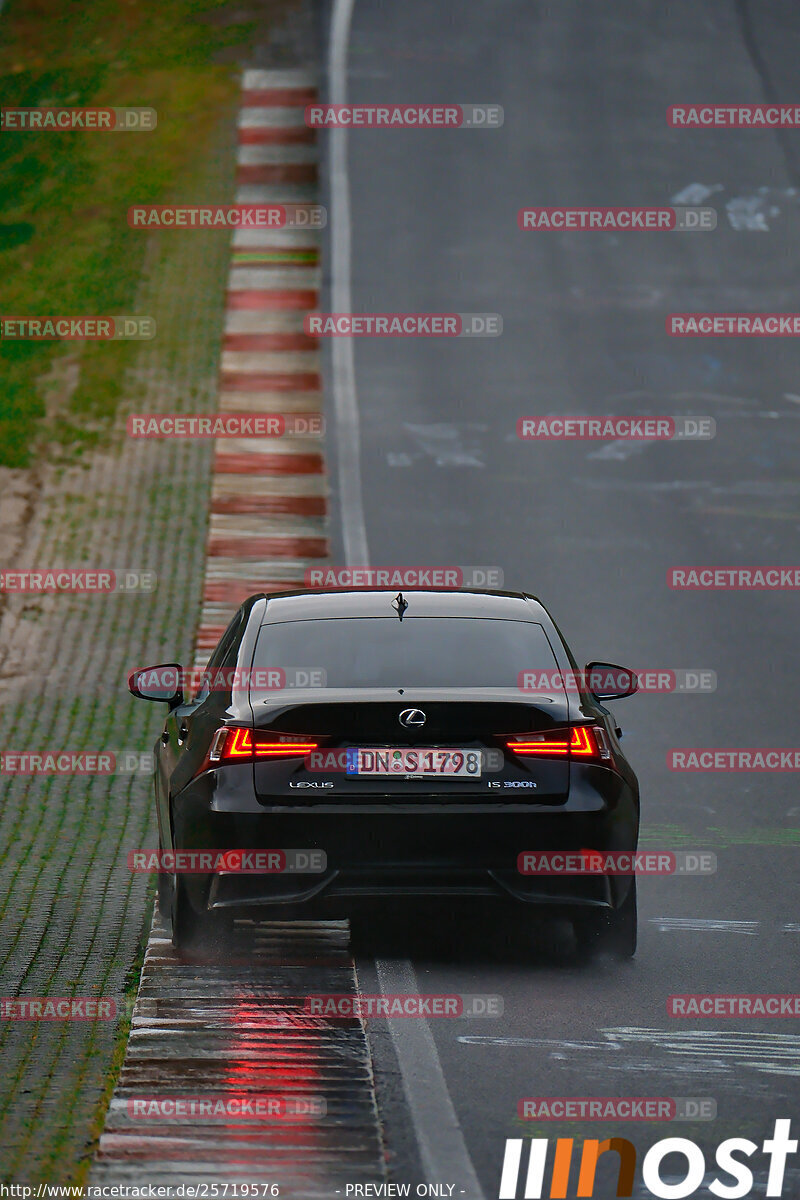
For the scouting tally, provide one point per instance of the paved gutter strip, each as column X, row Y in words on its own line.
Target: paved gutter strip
column 235, row 1023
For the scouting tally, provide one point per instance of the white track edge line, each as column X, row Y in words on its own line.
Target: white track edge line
column 442, row 1148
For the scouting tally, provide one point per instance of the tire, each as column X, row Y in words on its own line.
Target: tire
column 165, row 896
column 192, row 930
column 165, row 884
column 185, row 921
column 610, row 931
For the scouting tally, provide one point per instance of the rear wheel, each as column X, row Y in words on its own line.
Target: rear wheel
column 164, row 895
column 165, row 885
column 610, row 931
column 191, row 929
column 185, row 921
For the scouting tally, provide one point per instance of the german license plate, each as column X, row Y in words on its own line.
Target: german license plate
column 423, row 763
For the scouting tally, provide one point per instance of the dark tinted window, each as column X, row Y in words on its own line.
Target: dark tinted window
column 224, row 655
column 417, row 652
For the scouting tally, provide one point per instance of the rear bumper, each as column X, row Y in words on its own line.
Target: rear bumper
column 372, row 850
column 338, row 892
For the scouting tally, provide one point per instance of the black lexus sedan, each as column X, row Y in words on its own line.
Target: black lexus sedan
column 345, row 745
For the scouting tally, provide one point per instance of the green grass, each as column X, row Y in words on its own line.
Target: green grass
column 717, row 837
column 65, row 246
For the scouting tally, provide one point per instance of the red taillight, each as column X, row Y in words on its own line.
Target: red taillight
column 586, row 742
column 236, row 744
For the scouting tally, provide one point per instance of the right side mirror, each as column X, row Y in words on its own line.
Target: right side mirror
column 607, row 681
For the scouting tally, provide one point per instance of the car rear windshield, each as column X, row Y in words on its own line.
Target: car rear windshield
column 416, row 652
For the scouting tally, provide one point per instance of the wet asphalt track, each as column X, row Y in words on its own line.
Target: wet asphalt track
column 591, row 529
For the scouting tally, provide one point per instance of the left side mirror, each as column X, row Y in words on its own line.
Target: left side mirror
column 607, row 681
column 164, row 683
